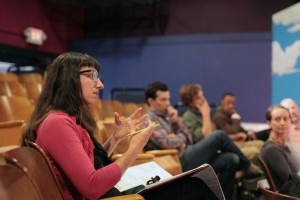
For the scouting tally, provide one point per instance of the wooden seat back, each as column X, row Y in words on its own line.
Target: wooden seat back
column 12, row 88
column 38, row 165
column 268, row 194
column 112, row 106
column 31, row 77
column 11, row 132
column 130, row 107
column 5, row 77
column 145, row 108
column 16, row 183
column 15, row 108
column 268, row 174
column 97, row 110
column 33, row 90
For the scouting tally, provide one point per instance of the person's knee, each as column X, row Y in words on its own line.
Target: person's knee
column 235, row 160
column 232, row 161
column 254, row 143
column 258, row 144
column 251, row 153
column 220, row 134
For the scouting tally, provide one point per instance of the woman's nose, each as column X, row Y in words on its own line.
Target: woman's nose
column 99, row 84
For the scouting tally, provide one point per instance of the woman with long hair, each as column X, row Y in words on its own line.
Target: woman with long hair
column 63, row 126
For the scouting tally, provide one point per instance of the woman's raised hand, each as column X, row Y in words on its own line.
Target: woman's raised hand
column 138, row 141
column 128, row 125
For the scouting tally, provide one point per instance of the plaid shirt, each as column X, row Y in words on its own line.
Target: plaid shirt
column 168, row 135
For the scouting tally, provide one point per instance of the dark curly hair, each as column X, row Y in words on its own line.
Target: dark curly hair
column 152, row 88
column 188, row 92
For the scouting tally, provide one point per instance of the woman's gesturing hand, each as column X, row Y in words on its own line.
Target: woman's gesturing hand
column 128, row 125
column 138, row 141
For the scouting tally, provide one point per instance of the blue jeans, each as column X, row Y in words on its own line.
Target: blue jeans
column 225, row 163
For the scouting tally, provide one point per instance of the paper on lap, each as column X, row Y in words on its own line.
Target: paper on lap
column 140, row 174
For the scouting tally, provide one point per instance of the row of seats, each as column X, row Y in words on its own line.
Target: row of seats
column 104, row 109
column 23, row 77
column 30, row 85
column 26, row 85
column 20, row 108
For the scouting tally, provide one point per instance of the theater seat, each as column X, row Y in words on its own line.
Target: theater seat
column 15, row 108
column 268, row 194
column 16, row 183
column 11, row 132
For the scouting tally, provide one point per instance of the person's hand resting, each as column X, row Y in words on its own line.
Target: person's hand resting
column 240, row 137
column 204, row 108
column 173, row 114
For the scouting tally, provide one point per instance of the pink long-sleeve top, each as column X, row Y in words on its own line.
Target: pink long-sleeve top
column 70, row 151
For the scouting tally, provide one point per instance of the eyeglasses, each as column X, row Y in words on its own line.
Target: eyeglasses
column 94, row 75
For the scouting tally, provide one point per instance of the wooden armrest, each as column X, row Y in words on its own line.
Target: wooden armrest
column 163, row 152
column 140, row 156
column 11, row 123
column 126, row 197
column 7, row 148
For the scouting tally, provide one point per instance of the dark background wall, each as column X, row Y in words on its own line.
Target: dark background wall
column 60, row 22
column 223, row 45
column 239, row 63
column 218, row 16
column 67, row 20
column 114, row 18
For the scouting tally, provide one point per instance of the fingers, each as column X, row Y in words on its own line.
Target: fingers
column 131, row 127
column 173, row 114
column 141, row 122
column 135, row 113
column 117, row 118
column 171, row 111
column 151, row 126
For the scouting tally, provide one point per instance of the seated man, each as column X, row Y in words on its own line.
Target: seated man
column 226, row 118
column 197, row 116
column 173, row 134
column 294, row 137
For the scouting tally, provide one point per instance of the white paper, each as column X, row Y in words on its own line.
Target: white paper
column 140, row 174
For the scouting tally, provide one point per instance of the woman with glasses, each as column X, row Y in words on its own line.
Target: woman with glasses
column 63, row 126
